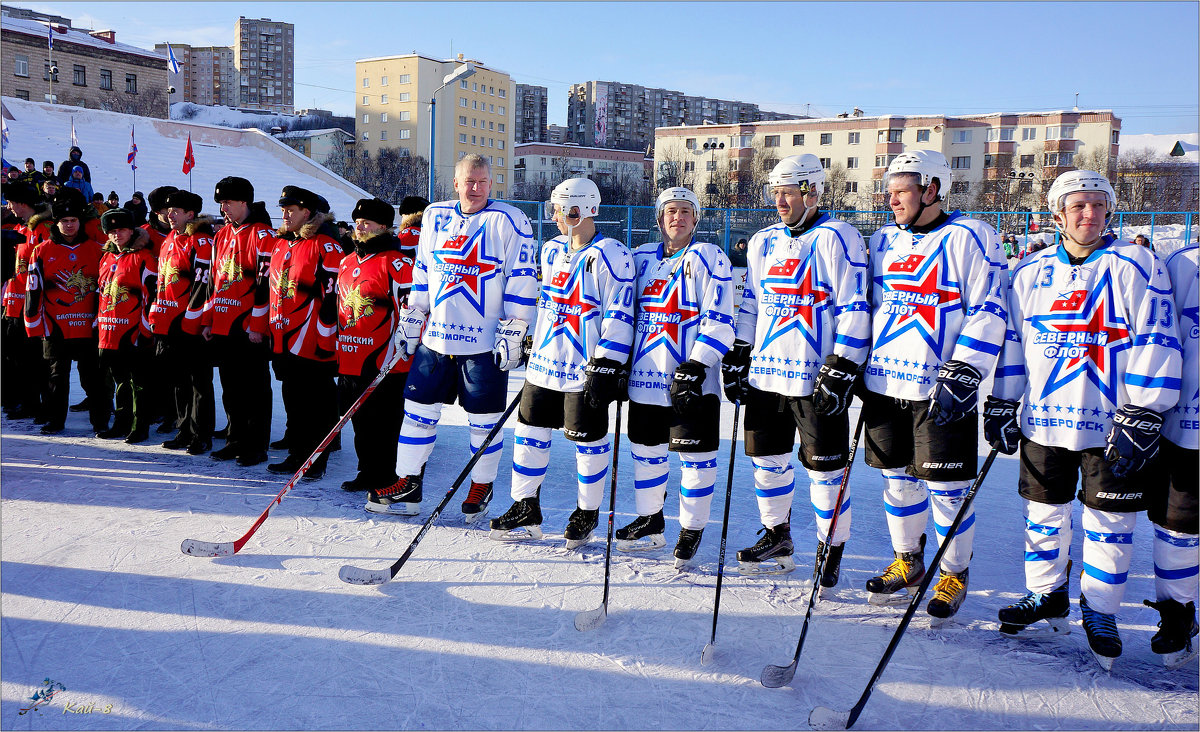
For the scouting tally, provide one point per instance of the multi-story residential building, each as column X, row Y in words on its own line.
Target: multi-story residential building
column 556, row 134
column 999, row 160
column 92, row 68
column 624, row 116
column 474, row 114
column 264, row 55
column 319, row 145
column 207, row 74
column 623, row 176
column 530, row 121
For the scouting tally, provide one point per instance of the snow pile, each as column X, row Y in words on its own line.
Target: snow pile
column 217, row 114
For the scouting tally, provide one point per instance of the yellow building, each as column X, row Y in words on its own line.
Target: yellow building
column 474, row 114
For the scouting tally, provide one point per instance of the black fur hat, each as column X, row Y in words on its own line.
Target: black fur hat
column 373, row 209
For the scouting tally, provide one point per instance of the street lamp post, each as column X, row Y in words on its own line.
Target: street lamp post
column 711, row 148
column 458, row 74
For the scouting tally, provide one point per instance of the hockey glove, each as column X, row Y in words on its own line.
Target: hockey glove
column 1000, row 424
column 954, row 394
column 735, row 372
column 1132, row 439
column 687, row 387
column 409, row 323
column 835, row 380
column 607, row 381
column 510, row 335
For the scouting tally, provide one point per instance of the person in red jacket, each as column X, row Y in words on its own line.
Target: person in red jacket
column 182, row 357
column 127, row 285
column 412, row 208
column 234, row 320
column 373, row 283
column 60, row 308
column 24, row 372
column 303, row 322
column 157, row 226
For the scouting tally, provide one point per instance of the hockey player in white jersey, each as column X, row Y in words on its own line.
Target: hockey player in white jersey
column 1090, row 363
column 578, row 364
column 1174, row 511
column 940, row 282
column 803, row 329
column 684, row 327
column 474, row 282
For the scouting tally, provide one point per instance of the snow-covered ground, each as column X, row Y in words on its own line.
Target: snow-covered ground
column 475, row 634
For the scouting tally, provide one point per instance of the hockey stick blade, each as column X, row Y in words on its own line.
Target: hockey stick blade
column 358, row 576
column 706, row 655
column 774, row 677
column 826, row 718
column 208, row 548
column 591, row 619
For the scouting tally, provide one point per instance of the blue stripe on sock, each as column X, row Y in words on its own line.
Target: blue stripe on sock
column 593, row 478
column 700, row 465
column 696, row 492
column 530, row 472
column 1106, row 577
column 1048, row 555
column 772, row 492
column 1041, row 528
column 406, row 440
column 1101, row 537
column 539, row 444
column 1176, row 574
column 1181, row 541
column 906, row 510
column 650, row 482
column 966, row 524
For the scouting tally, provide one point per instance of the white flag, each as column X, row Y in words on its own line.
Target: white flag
column 74, row 139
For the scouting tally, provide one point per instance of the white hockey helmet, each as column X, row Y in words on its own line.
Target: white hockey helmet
column 1074, row 181
column 804, row 171
column 575, row 192
column 927, row 164
column 678, row 193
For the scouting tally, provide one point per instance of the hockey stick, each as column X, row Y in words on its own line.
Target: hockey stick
column 226, row 548
column 706, row 655
column 592, row 619
column 357, row 576
column 772, row 676
column 826, row 718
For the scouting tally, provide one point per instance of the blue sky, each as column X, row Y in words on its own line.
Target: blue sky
column 1138, row 59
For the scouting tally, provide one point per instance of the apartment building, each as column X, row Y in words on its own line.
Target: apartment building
column 539, row 166
column 530, row 120
column 207, row 74
column 474, row 114
column 264, row 54
column 319, row 145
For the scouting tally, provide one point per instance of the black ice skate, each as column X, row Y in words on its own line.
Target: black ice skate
column 899, row 581
column 948, row 596
column 1017, row 620
column 1102, row 635
column 402, row 498
column 771, row 555
column 523, row 520
column 833, row 565
column 685, row 548
column 476, row 503
column 629, row 537
column 580, row 526
column 1175, row 640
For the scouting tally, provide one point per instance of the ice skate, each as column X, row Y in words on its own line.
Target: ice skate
column 685, row 548
column 580, row 526
column 1103, row 638
column 476, row 503
column 948, row 596
column 402, row 498
column 522, row 520
column 1175, row 640
column 833, row 565
column 899, row 581
column 650, row 528
column 1017, row 620
column 771, row 555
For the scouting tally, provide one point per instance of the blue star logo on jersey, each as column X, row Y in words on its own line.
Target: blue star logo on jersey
column 568, row 308
column 797, row 299
column 463, row 267
column 918, row 295
column 665, row 315
column 1083, row 335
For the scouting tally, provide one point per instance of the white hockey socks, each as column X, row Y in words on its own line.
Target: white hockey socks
column 417, row 435
column 531, row 455
column 1048, row 533
column 823, row 490
column 591, row 465
column 774, row 484
column 906, row 502
column 1107, row 553
column 1175, row 565
column 696, row 481
column 947, row 500
column 489, row 463
column 650, row 469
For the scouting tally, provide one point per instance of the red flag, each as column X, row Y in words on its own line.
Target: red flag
column 189, row 160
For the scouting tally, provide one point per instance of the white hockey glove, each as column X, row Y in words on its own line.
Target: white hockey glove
column 510, row 333
column 409, row 323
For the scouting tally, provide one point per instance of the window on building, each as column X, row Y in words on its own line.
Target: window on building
column 78, row 75
column 462, row 101
column 403, row 96
column 733, row 163
column 851, row 163
column 1001, row 134
column 689, row 165
column 1116, row 135
column 826, row 138
column 771, row 141
column 462, row 120
column 877, row 186
column 825, row 163
column 383, row 135
column 366, row 100
column 797, row 140
column 366, row 118
column 131, row 83
column 491, row 141
column 405, row 134
column 21, row 65
column 690, row 143
column 491, row 125
column 851, row 186
column 366, row 136
column 922, row 135
column 404, row 79
column 710, row 165
column 106, row 79
column 500, row 144
column 462, row 137
column 882, row 161
column 475, row 86
column 959, row 187
column 405, row 116
column 473, row 142
column 962, row 136
column 383, row 99
column 383, row 81
column 366, row 82
column 853, row 138
column 463, row 84
column 989, row 161
column 500, row 128
column 474, row 123
column 960, row 162
column 383, row 118
column 475, row 104
column 23, row 94
column 1063, row 159
column 543, row 161
column 1028, row 133
column 1065, row 132
column 1026, row 161
column 500, row 161
column 502, row 92
column 892, row 135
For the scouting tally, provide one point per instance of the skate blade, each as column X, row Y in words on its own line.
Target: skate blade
column 682, row 564
column 1054, row 627
column 394, row 509
column 936, row 623
column 776, row 565
column 826, row 718
column 1106, row 662
column 576, row 543
column 892, row 599
column 645, row 544
column 471, row 518
column 1179, row 659
column 523, row 533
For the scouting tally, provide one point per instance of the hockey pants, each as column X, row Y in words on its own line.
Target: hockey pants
column 419, row 432
column 907, row 501
column 531, row 456
column 698, row 475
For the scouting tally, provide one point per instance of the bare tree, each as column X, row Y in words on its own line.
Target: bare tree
column 675, row 166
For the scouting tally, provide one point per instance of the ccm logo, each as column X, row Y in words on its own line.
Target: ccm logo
column 686, row 442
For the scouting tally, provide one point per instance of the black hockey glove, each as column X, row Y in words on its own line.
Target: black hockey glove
column 954, row 394
column 1132, row 439
column 735, row 371
column 835, row 379
column 687, row 387
column 1000, row 424
column 607, row 381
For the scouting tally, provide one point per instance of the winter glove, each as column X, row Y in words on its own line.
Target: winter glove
column 1000, row 424
column 510, row 336
column 1132, row 439
column 409, row 323
column 735, row 372
column 835, row 379
column 954, row 394
column 607, row 381
column 687, row 387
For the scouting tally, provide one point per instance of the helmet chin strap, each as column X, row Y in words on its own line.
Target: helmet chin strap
column 920, row 211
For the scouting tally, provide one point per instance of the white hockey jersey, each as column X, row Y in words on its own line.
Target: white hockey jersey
column 1181, row 423
column 805, row 298
column 1085, row 340
column 937, row 297
column 684, row 311
column 585, row 311
column 471, row 271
